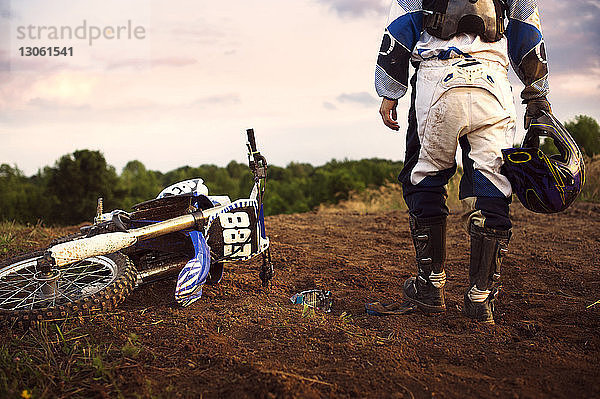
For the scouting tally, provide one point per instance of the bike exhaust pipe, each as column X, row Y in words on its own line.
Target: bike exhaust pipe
column 104, row 244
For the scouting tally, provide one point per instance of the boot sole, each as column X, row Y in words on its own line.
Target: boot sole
column 423, row 307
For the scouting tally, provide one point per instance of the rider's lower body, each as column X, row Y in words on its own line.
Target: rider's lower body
column 466, row 103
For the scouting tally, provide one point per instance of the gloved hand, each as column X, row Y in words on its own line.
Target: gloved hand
column 534, row 109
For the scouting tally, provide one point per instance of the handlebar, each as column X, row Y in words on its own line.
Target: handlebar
column 257, row 163
column 251, row 139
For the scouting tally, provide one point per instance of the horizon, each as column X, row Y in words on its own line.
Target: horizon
column 245, row 162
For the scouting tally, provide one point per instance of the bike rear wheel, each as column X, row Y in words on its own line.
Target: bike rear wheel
column 92, row 285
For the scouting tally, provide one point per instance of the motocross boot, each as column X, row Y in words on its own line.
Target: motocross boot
column 426, row 291
column 488, row 246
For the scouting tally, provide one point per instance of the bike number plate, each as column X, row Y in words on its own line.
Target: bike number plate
column 233, row 235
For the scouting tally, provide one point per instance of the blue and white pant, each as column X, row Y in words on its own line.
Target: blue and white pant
column 464, row 102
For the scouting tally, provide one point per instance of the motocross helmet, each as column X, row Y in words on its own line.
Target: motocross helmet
column 545, row 184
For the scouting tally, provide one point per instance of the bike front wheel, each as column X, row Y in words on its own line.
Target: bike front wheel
column 92, row 285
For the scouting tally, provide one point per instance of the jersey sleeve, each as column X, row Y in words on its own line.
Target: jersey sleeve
column 404, row 28
column 526, row 48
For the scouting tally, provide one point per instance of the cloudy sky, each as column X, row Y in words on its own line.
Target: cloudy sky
column 199, row 73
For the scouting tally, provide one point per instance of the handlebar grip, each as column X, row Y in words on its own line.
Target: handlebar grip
column 251, row 139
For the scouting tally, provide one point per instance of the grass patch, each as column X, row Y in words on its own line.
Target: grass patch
column 6, row 241
column 132, row 347
column 17, row 238
column 69, row 360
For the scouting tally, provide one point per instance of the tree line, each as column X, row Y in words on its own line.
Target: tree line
column 586, row 132
column 67, row 193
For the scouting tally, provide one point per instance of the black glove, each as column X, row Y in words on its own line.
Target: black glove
column 534, row 109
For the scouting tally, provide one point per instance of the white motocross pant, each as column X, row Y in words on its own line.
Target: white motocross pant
column 459, row 101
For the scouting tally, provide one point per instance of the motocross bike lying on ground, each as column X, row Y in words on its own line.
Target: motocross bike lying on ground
column 95, row 269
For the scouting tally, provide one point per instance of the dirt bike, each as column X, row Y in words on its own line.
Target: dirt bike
column 183, row 231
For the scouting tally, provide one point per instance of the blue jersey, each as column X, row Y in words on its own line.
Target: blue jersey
column 405, row 40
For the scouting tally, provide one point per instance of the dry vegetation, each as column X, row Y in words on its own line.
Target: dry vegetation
column 16, row 238
column 388, row 198
column 591, row 189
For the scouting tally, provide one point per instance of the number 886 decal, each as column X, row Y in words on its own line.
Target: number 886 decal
column 235, row 236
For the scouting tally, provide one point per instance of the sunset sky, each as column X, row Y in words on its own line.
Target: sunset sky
column 299, row 72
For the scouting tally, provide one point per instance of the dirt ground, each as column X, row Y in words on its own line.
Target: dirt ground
column 242, row 341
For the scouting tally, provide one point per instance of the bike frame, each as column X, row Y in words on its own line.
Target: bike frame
column 237, row 230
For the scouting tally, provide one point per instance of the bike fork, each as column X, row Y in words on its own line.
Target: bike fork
column 266, row 269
